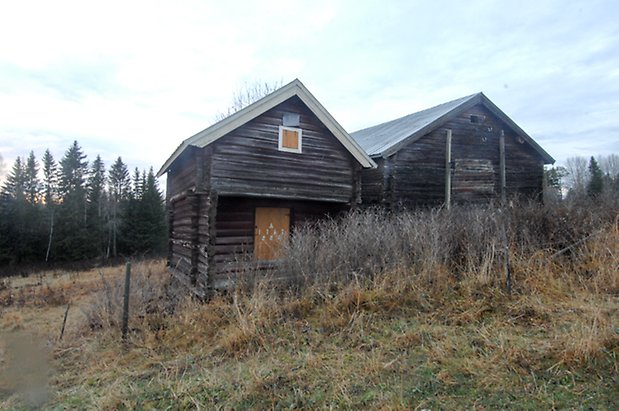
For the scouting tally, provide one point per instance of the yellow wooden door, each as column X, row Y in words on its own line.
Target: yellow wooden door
column 270, row 232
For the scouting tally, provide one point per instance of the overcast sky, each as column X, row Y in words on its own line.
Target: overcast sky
column 135, row 78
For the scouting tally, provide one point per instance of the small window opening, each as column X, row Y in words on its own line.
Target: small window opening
column 475, row 119
column 291, row 119
column 290, row 139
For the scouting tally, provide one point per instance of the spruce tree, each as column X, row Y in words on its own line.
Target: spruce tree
column 96, row 204
column 596, row 179
column 119, row 188
column 73, row 172
column 20, row 214
column 32, row 185
column 50, row 179
column 73, row 235
column 12, row 216
column 33, row 213
column 154, row 215
column 144, row 229
column 50, row 197
column 131, row 224
column 15, row 183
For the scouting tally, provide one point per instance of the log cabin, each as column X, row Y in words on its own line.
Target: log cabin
column 463, row 151
column 239, row 186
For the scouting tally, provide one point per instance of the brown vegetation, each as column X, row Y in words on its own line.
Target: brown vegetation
column 426, row 322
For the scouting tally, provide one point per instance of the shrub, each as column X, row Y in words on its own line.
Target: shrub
column 152, row 296
column 464, row 242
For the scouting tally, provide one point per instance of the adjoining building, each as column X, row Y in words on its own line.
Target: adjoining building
column 466, row 150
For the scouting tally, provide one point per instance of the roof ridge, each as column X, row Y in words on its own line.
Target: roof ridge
column 386, row 138
column 464, row 99
column 257, row 108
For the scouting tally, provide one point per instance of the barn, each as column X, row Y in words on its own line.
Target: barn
column 463, row 151
column 239, row 186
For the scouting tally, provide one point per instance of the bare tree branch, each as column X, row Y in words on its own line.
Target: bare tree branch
column 247, row 94
column 578, row 174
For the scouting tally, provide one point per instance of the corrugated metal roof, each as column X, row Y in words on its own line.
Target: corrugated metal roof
column 377, row 140
column 387, row 138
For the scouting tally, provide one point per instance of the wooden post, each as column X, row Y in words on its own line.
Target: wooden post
column 448, row 171
column 64, row 321
column 506, row 265
column 125, row 324
column 51, row 233
column 502, row 168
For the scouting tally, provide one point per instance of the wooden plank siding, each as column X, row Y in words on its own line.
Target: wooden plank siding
column 417, row 173
column 247, row 161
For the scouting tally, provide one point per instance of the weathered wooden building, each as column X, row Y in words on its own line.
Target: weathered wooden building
column 239, row 186
column 466, row 150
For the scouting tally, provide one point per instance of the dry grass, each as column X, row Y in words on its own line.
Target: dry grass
column 372, row 333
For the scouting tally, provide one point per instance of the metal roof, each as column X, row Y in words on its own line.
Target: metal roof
column 294, row 88
column 387, row 138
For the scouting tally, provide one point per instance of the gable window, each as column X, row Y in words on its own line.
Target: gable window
column 290, row 139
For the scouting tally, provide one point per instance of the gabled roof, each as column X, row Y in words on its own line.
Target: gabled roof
column 387, row 138
column 294, row 88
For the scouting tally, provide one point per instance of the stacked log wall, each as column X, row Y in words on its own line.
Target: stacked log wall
column 372, row 183
column 181, row 176
column 182, row 233
column 418, row 171
column 235, row 222
column 189, row 241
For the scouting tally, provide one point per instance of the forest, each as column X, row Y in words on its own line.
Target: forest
column 77, row 210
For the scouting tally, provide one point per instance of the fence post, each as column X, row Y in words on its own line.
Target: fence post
column 64, row 321
column 125, row 324
column 506, row 265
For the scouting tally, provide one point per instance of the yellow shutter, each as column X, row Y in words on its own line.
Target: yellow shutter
column 290, row 139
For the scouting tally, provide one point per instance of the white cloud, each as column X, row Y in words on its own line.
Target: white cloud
column 136, row 78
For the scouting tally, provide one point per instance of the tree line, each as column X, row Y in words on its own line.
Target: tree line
column 583, row 178
column 73, row 210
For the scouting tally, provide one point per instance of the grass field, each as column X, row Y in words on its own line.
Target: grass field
column 399, row 341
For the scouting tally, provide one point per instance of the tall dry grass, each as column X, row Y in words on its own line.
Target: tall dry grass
column 442, row 268
column 461, row 243
column 414, row 257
